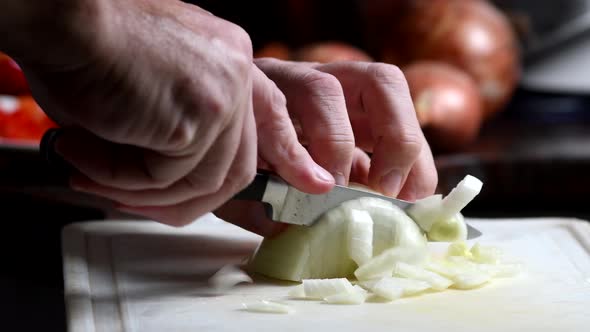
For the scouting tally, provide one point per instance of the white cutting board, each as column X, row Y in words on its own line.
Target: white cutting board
column 142, row 276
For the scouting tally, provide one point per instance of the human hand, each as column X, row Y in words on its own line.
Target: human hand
column 156, row 106
column 342, row 105
column 341, row 111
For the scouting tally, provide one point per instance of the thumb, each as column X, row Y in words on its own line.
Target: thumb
column 277, row 140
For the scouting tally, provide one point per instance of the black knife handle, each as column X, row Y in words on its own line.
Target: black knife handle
column 255, row 190
column 48, row 153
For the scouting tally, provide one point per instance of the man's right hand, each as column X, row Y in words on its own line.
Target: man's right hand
column 155, row 101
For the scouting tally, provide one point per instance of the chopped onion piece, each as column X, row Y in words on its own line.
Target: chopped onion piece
column 297, row 292
column 459, row 249
column 444, row 268
column 385, row 288
column 227, row 277
column 357, row 296
column 360, row 236
column 266, row 306
column 437, row 281
column 392, row 288
column 449, row 230
column 383, row 265
column 322, row 288
column 486, row 254
column 460, row 196
column 441, row 218
column 425, row 211
column 470, row 280
column 392, row 227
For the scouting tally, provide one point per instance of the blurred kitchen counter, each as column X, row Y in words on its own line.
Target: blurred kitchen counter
column 534, row 159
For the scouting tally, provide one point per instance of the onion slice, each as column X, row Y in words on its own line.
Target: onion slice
column 297, row 292
column 459, row 249
column 470, row 280
column 384, row 264
column 322, row 288
column 266, row 306
column 360, row 236
column 425, row 211
column 437, row 281
column 392, row 288
column 486, row 254
column 356, row 296
column 460, row 196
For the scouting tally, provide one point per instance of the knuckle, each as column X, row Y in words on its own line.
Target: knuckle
column 240, row 178
column 386, row 74
column 204, row 184
column 409, row 143
column 278, row 101
column 183, row 135
column 241, row 39
column 215, row 183
column 324, row 84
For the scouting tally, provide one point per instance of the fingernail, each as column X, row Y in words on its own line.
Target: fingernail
column 340, row 179
column 391, row 183
column 322, row 174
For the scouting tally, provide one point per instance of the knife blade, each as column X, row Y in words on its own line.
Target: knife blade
column 288, row 205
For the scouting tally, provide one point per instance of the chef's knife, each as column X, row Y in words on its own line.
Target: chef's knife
column 284, row 203
column 289, row 205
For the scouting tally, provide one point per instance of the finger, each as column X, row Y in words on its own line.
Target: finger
column 117, row 165
column 381, row 91
column 278, row 143
column 250, row 216
column 423, row 177
column 207, row 178
column 361, row 164
column 240, row 175
column 317, row 101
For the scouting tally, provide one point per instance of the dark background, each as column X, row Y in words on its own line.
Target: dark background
column 533, row 159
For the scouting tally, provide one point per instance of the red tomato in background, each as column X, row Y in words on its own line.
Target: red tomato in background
column 12, row 79
column 22, row 118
